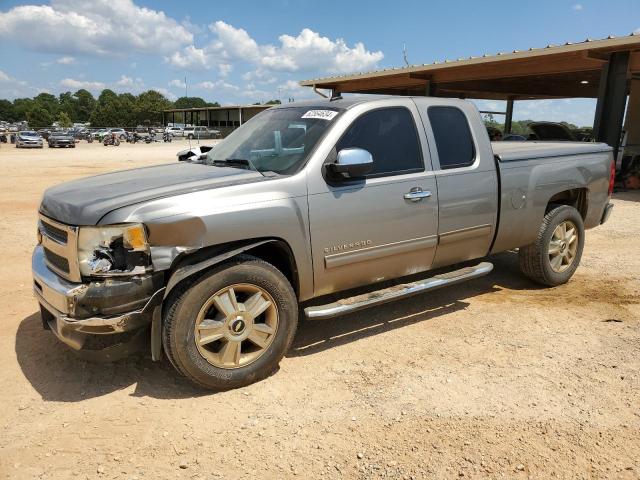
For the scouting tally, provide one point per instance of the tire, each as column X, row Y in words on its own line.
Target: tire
column 185, row 308
column 536, row 259
column 190, row 137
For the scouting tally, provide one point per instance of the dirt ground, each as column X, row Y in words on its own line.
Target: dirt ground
column 495, row 378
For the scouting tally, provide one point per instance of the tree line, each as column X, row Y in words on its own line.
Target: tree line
column 109, row 109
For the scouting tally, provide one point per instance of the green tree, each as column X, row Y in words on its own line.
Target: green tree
column 39, row 117
column 190, row 102
column 64, row 120
column 68, row 104
column 21, row 106
column 149, row 107
column 7, row 111
column 48, row 102
column 84, row 106
column 273, row 102
column 107, row 112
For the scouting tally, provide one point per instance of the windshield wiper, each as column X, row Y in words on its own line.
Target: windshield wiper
column 244, row 163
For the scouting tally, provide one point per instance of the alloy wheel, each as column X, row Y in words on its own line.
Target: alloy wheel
column 236, row 326
column 563, row 246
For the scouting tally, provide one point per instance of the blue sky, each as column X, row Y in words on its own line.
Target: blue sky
column 244, row 52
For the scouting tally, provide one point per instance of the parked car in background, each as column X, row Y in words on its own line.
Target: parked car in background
column 196, row 133
column 98, row 134
column 551, row 132
column 29, row 139
column 214, row 259
column 121, row 133
column 514, row 137
column 175, row 131
column 61, row 139
column 45, row 132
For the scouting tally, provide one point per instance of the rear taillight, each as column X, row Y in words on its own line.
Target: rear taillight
column 612, row 177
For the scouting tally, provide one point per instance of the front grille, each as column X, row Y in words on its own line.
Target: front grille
column 60, row 244
column 56, row 260
column 57, row 234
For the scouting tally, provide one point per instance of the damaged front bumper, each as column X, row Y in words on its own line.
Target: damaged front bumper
column 97, row 315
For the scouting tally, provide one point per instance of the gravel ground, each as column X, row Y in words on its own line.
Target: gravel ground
column 490, row 379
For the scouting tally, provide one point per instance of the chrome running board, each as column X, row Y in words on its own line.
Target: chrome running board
column 359, row 302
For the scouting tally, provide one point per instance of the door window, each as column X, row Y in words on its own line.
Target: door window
column 390, row 135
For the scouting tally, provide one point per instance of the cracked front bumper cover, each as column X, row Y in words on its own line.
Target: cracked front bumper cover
column 66, row 306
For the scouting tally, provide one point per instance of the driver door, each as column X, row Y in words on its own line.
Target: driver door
column 374, row 229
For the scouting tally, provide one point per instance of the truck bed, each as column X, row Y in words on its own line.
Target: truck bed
column 528, row 150
column 530, row 173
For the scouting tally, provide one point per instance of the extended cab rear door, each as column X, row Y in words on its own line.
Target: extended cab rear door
column 466, row 176
column 374, row 229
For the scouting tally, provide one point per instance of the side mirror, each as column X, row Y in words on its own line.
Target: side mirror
column 352, row 163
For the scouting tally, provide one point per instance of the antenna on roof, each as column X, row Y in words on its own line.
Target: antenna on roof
column 404, row 53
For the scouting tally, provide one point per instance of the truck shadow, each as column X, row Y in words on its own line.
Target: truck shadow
column 57, row 374
column 317, row 335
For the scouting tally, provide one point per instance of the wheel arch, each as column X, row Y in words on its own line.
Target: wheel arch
column 575, row 197
column 275, row 251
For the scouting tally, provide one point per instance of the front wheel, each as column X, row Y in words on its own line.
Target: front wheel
column 555, row 255
column 232, row 326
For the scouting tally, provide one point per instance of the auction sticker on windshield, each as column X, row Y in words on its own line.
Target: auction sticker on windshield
column 321, row 114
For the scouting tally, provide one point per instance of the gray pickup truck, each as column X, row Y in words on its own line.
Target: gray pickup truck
column 213, row 259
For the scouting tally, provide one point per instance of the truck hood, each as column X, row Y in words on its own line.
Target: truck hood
column 86, row 201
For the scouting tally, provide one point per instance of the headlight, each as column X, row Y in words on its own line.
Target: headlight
column 113, row 250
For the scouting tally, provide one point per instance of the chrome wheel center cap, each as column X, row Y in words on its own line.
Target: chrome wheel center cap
column 237, row 326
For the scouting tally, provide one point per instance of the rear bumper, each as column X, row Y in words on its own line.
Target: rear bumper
column 66, row 306
column 607, row 213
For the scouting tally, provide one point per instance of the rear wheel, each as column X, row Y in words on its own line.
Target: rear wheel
column 555, row 255
column 231, row 327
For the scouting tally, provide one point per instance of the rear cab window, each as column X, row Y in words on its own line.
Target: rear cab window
column 452, row 133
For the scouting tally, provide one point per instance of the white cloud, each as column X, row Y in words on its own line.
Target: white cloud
column 577, row 7
column 225, row 69
column 6, row 78
column 66, row 60
column 177, row 83
column 309, row 51
column 217, row 85
column 11, row 87
column 166, row 93
column 129, row 84
column 78, row 84
column 98, row 27
column 191, row 58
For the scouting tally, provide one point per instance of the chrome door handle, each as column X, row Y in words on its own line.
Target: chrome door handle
column 416, row 194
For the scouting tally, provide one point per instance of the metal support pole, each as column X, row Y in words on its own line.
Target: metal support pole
column 612, row 100
column 428, row 89
column 240, row 115
column 508, row 117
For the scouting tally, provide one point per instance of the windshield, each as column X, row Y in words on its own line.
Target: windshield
column 29, row 134
column 277, row 140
